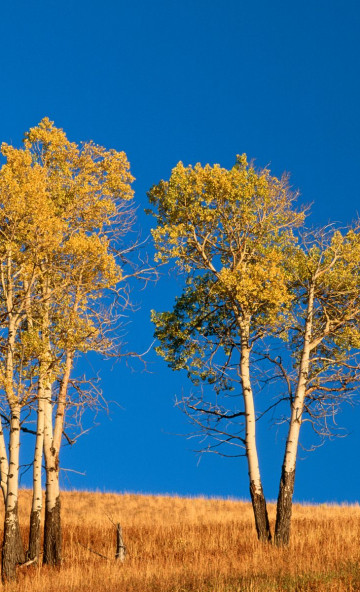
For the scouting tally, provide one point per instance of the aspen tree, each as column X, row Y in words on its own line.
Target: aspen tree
column 65, row 212
column 24, row 212
column 77, row 327
column 325, row 340
column 89, row 188
column 228, row 231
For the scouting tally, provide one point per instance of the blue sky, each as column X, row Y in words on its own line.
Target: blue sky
column 197, row 81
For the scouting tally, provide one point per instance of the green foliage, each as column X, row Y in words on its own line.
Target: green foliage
column 230, row 232
column 190, row 334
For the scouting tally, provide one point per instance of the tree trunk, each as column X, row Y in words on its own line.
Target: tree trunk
column 256, row 489
column 260, row 512
column 52, row 534
column 13, row 549
column 4, row 465
column 284, row 507
column 287, row 481
column 35, row 517
column 52, row 526
column 33, row 551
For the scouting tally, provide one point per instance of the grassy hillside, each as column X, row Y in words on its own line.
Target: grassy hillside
column 188, row 545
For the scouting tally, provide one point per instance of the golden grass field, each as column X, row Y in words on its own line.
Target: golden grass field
column 194, row 545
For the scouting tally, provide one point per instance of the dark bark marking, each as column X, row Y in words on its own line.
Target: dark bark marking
column 52, row 535
column 284, row 508
column 260, row 514
column 13, row 549
column 33, row 551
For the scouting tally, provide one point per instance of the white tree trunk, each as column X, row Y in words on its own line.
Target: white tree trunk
column 256, row 489
column 38, row 455
column 36, row 507
column 14, row 447
column 52, row 534
column 287, row 481
column 4, row 464
column 13, row 551
column 52, row 444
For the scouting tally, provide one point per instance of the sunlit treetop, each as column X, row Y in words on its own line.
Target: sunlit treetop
column 86, row 180
column 237, row 224
column 64, row 210
column 328, row 267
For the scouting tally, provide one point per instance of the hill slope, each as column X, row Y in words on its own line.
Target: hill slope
column 188, row 545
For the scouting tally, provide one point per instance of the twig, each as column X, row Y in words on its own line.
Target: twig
column 72, row 471
column 109, row 518
column 30, row 561
column 92, row 551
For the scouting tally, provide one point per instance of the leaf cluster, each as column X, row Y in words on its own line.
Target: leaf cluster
column 64, row 209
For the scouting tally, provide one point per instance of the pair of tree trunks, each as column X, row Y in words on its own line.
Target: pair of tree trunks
column 287, row 480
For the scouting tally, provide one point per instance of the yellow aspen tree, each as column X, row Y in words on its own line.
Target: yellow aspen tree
column 228, row 231
column 25, row 211
column 66, row 210
column 90, row 189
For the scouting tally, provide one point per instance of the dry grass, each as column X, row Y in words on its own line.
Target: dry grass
column 193, row 545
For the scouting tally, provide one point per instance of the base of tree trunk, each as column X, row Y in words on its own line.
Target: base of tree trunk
column 284, row 508
column 260, row 514
column 34, row 536
column 52, row 535
column 13, row 549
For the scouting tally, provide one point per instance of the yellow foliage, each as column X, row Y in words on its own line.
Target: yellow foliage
column 238, row 224
column 63, row 209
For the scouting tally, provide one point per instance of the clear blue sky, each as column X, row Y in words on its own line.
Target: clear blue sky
column 193, row 80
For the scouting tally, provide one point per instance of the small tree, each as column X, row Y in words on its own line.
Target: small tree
column 228, row 231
